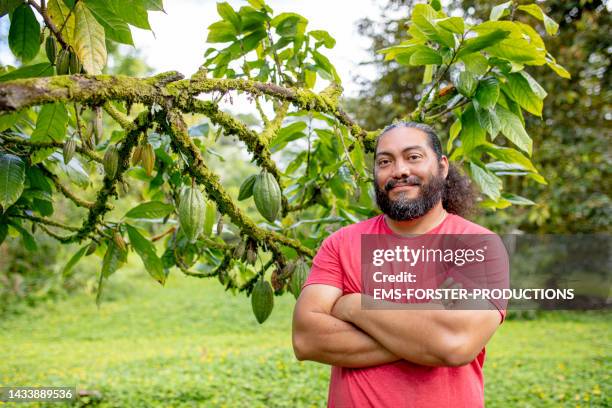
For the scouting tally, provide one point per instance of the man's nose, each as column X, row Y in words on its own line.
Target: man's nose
column 401, row 169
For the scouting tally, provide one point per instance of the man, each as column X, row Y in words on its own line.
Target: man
column 396, row 358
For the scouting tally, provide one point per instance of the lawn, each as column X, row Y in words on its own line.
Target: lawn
column 191, row 344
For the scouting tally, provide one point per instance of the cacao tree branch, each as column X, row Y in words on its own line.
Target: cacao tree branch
column 271, row 129
column 182, row 143
column 44, row 145
column 67, row 193
column 45, row 221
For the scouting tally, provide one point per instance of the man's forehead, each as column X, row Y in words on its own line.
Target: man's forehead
column 400, row 138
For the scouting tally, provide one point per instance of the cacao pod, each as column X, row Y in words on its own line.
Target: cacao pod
column 74, row 63
column 111, row 161
column 262, row 300
column 69, row 148
column 267, row 196
column 51, row 48
column 251, row 255
column 136, row 155
column 118, row 240
column 98, row 124
column 246, row 188
column 298, row 277
column 91, row 248
column 62, row 62
column 148, row 158
column 191, row 210
column 276, row 279
column 239, row 250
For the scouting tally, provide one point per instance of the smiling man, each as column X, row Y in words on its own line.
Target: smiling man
column 422, row 355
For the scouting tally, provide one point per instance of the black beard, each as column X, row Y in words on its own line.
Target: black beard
column 404, row 209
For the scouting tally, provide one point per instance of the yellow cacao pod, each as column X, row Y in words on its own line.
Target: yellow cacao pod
column 111, row 161
column 148, row 158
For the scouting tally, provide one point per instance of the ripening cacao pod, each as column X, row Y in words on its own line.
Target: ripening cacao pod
column 136, row 155
column 118, row 240
column 51, row 48
column 262, row 300
column 191, row 210
column 239, row 250
column 267, row 196
column 98, row 125
column 62, row 62
column 111, row 161
column 298, row 277
column 69, row 148
column 148, row 158
column 74, row 64
column 276, row 279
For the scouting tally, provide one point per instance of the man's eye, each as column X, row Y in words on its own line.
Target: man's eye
column 414, row 157
column 383, row 162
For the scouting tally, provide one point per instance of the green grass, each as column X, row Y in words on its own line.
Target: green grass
column 192, row 344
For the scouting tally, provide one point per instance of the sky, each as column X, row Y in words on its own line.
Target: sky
column 178, row 42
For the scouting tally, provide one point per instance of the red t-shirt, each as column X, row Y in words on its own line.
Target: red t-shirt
column 399, row 384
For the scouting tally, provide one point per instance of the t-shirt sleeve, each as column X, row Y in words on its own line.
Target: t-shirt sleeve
column 326, row 267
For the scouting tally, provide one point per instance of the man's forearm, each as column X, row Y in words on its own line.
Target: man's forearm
column 329, row 340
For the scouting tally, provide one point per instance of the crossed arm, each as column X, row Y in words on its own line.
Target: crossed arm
column 334, row 329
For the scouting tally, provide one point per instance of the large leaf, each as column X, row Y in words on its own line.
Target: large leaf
column 487, row 118
column 508, row 155
column 146, row 250
column 228, row 14
column 489, row 183
column 523, row 94
column 221, row 32
column 89, row 40
column 487, row 93
column 29, row 71
column 466, row 83
column 8, row 6
column 515, row 47
column 425, row 56
column 24, row 34
column 50, row 126
column 150, row 210
column 132, row 12
column 12, row 178
column 287, row 134
column 481, row 42
column 115, row 28
column 453, row 24
column 423, row 17
column 513, row 129
column 28, row 239
column 60, row 14
column 472, row 134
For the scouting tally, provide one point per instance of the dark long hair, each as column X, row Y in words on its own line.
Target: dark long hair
column 459, row 196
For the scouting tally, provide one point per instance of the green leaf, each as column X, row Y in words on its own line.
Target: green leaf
column 12, row 179
column 515, row 48
column 423, row 17
column 500, row 10
column 550, row 25
column 227, row 13
column 453, row 133
column 146, row 250
column 324, row 37
column 476, row 63
column 534, row 85
column 24, row 33
column 89, row 40
column 508, row 155
column 489, row 183
column 453, row 24
column 74, row 260
column 521, row 91
column 472, row 134
column 8, row 6
column 28, row 240
column 114, row 27
column 209, row 218
column 513, row 129
column 154, row 5
column 221, row 32
column 59, row 13
column 113, row 259
column 428, row 74
column 558, row 69
column 150, row 210
column 246, row 188
column 466, row 83
column 258, row 4
column 425, row 56
column 489, row 121
column 481, row 42
column 29, row 71
column 516, row 199
column 252, row 19
column 51, row 123
column 487, row 93
column 132, row 12
column 9, row 120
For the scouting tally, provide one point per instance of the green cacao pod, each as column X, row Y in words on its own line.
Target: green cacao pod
column 246, row 188
column 298, row 277
column 98, row 124
column 136, row 155
column 91, row 248
column 51, row 48
column 148, row 158
column 111, row 161
column 267, row 196
column 62, row 62
column 191, row 210
column 74, row 64
column 262, row 300
column 69, row 148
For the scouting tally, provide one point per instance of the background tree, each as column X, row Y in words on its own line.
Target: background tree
column 311, row 154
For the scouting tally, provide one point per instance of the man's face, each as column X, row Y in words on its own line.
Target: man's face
column 408, row 177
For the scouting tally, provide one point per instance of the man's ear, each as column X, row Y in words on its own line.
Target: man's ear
column 444, row 165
